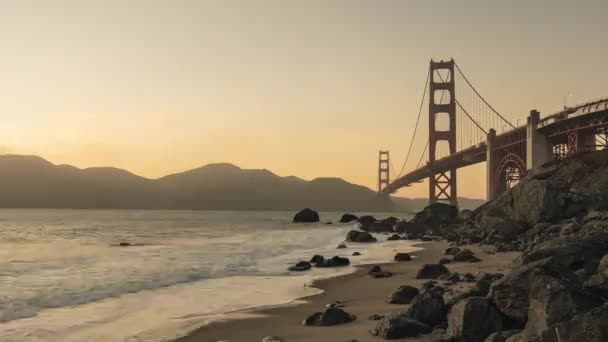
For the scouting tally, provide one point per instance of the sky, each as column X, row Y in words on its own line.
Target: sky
column 307, row 88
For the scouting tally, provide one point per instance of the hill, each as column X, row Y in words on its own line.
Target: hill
column 32, row 182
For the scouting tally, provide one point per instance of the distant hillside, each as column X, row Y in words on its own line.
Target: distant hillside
column 32, row 182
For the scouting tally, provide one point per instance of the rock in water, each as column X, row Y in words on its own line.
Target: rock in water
column 402, row 257
column 306, row 216
column 300, row 266
column 377, row 272
column 331, row 316
column 365, row 221
column 408, row 228
column 341, row 246
column 473, row 319
column 431, row 271
column 357, row 236
column 428, row 308
column 394, row 327
column 317, row 259
column 394, row 237
column 404, row 295
column 347, row 218
column 336, row 261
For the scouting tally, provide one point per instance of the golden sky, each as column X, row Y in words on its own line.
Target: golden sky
column 311, row 88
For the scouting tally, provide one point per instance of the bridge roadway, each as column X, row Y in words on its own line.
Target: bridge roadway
column 583, row 118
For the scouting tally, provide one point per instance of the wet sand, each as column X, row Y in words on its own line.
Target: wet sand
column 363, row 296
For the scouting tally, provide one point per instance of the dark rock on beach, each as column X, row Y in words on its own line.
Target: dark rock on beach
column 306, row 216
column 300, row 266
column 431, row 271
column 473, row 319
column 377, row 272
column 402, row 257
column 399, row 326
column 336, row 261
column 347, row 218
column 428, row 308
column 465, row 255
column 331, row 316
column 357, row 236
column 404, row 295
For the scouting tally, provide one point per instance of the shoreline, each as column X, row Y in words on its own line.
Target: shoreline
column 362, row 296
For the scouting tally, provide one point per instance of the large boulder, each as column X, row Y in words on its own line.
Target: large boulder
column 431, row 271
column 399, row 326
column 404, row 295
column 336, row 261
column 378, row 227
column 306, row 216
column 331, row 316
column 346, row 218
column 555, row 297
column 428, row 308
column 473, row 319
column 436, row 214
column 602, row 268
column 588, row 327
column 365, row 221
column 390, row 220
column 502, row 336
column 357, row 236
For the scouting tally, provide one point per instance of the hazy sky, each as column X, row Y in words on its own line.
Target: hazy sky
column 305, row 88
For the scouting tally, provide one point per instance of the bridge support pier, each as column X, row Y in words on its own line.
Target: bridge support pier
column 539, row 149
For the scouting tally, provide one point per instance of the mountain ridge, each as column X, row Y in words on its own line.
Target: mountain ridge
column 34, row 182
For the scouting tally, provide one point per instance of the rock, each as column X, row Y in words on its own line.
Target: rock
column 375, row 317
column 431, row 271
column 394, row 237
column 481, row 288
column 465, row 214
column 436, row 214
column 571, row 252
column 317, row 259
column 356, row 254
column 341, row 246
column 428, row 308
column 402, row 257
column 378, row 227
column 357, row 236
column 300, row 266
column 473, row 319
column 455, row 277
column 365, row 221
column 390, row 220
column 444, row 261
column 331, row 316
column 427, row 285
column 491, row 277
column 377, row 272
column 306, row 216
column 468, row 277
column 451, row 251
column 466, row 255
column 569, row 229
column 602, row 267
column 336, row 261
column 329, row 222
column 347, row 218
column 597, row 284
column 398, row 326
column 124, row 244
column 555, row 297
column 501, row 336
column 588, row 327
column 404, row 227
column 403, row 295
column 272, row 339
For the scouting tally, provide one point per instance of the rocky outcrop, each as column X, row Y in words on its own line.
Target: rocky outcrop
column 404, row 295
column 502, row 336
column 465, row 255
column 431, row 271
column 473, row 319
column 347, row 218
column 405, row 227
column 331, row 316
column 435, row 215
column 306, row 216
column 357, row 236
column 588, row 327
column 399, row 326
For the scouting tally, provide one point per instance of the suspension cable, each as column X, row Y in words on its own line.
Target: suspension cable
column 481, row 97
column 409, row 150
column 467, row 113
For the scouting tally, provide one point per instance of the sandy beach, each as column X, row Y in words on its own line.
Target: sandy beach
column 362, row 295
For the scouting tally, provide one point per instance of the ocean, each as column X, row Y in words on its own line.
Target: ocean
column 64, row 277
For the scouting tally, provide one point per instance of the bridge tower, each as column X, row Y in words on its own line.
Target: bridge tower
column 442, row 103
column 383, row 170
